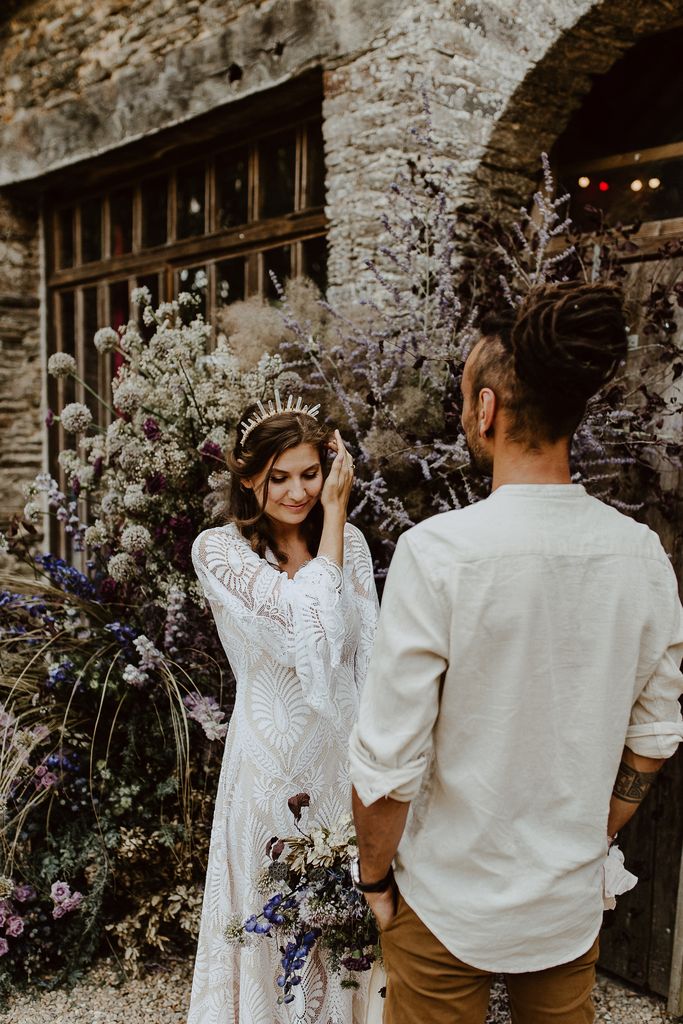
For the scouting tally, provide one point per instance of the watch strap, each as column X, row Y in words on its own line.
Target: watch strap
column 380, row 886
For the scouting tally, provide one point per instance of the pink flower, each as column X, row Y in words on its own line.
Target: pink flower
column 59, row 911
column 73, row 902
column 40, row 771
column 49, row 779
column 22, row 893
column 4, row 912
column 60, row 891
column 4, row 947
column 14, row 926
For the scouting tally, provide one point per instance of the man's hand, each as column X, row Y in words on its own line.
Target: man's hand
column 634, row 778
column 383, row 905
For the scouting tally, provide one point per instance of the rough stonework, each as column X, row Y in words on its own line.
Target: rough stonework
column 80, row 81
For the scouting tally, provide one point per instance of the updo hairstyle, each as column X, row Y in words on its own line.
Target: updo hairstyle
column 263, row 447
column 560, row 347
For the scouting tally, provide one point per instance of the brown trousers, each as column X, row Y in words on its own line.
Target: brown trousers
column 426, row 984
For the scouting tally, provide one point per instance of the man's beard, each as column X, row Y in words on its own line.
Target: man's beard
column 480, row 460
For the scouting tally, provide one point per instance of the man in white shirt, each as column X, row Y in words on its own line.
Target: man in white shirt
column 522, row 694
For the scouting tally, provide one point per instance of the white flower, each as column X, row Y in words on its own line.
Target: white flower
column 135, row 538
column 61, row 364
column 111, row 503
column 96, row 535
column 76, row 418
column 4, row 543
column 135, row 676
column 141, row 296
column 32, row 511
column 217, row 481
column 149, row 655
column 106, row 340
column 135, row 500
column 129, row 395
column 121, row 567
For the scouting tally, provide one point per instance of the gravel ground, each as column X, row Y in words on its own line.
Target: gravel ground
column 104, row 997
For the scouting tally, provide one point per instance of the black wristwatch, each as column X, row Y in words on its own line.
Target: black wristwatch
column 380, row 886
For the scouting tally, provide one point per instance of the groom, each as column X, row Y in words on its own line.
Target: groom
column 522, row 694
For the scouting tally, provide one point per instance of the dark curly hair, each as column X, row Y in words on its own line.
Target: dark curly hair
column 264, row 445
column 548, row 357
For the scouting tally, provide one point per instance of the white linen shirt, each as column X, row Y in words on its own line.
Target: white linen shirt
column 522, row 642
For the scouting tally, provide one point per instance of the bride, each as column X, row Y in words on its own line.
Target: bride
column 291, row 587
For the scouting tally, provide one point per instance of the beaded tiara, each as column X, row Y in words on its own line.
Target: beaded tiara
column 274, row 409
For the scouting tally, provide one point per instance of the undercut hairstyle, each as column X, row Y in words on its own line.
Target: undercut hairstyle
column 547, row 358
column 263, row 447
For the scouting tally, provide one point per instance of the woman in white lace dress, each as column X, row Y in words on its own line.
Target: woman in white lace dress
column 291, row 587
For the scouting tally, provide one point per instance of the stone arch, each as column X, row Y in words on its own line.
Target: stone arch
column 540, row 107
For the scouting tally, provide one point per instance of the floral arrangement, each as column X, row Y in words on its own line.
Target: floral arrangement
column 312, row 902
column 113, row 687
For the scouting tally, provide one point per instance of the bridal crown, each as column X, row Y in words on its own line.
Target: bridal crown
column 274, row 409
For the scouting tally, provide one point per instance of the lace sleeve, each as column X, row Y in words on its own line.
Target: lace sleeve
column 365, row 595
column 298, row 621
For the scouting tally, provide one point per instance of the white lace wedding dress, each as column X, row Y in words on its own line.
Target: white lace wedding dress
column 299, row 650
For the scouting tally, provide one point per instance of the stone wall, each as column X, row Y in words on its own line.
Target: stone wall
column 21, row 434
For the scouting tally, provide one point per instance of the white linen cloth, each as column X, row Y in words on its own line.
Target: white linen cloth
column 299, row 650
column 522, row 641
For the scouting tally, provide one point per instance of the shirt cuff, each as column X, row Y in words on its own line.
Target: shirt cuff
column 655, row 739
column 373, row 781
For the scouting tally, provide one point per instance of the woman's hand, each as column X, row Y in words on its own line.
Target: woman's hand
column 337, row 487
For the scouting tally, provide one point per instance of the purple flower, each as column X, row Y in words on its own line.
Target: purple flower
column 210, row 450
column 40, row 771
column 60, row 891
column 73, row 902
column 155, row 483
column 4, row 912
column 49, row 779
column 151, row 429
column 49, row 420
column 24, row 893
column 4, row 947
column 14, row 926
column 59, row 911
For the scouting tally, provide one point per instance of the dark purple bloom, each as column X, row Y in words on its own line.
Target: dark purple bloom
column 151, row 429
column 211, row 451
column 24, row 893
column 14, row 926
column 155, row 483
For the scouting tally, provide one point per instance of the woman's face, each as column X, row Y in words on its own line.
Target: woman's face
column 296, row 480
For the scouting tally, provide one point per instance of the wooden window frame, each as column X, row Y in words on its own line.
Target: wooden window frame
column 248, row 241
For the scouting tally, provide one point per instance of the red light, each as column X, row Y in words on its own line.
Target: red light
column 603, row 186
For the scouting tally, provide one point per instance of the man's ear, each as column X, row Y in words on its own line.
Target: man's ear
column 487, row 410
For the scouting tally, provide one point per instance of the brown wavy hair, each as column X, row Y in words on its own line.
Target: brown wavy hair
column 263, row 447
column 551, row 355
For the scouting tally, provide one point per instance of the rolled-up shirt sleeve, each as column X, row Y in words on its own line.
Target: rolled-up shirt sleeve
column 656, row 725
column 391, row 743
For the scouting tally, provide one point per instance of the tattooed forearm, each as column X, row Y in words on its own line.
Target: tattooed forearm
column 631, row 785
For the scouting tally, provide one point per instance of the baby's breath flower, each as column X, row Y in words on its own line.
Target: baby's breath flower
column 32, row 511
column 129, row 394
column 141, row 296
column 96, row 535
column 106, row 340
column 61, row 364
column 121, row 567
column 135, row 500
column 135, row 538
column 76, row 418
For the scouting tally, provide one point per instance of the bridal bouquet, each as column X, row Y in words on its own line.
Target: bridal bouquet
column 312, row 901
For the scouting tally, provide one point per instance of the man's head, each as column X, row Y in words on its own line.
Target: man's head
column 528, row 378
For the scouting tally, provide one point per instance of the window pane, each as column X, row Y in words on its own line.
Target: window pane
column 119, row 307
column 315, row 167
column 277, row 163
column 195, row 281
column 151, row 282
column 233, row 194
column 65, row 253
column 67, row 325
column 121, row 212
column 279, row 262
column 154, row 212
column 229, row 281
column 91, row 230
column 90, row 353
column 191, row 200
column 315, row 260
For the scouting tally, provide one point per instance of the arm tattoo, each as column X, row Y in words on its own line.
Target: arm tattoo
column 631, row 785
